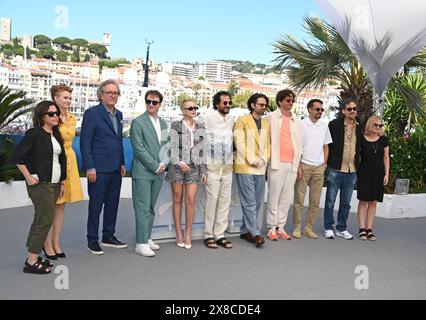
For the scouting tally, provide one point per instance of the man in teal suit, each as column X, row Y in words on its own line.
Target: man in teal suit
column 148, row 135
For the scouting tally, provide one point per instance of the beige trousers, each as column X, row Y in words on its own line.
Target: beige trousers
column 314, row 178
column 280, row 194
column 218, row 200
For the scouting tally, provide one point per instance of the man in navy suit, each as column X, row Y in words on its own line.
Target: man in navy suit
column 101, row 146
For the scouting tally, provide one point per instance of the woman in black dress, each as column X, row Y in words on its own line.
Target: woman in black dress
column 372, row 175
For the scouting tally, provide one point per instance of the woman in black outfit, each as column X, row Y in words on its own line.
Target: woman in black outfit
column 40, row 157
column 372, row 175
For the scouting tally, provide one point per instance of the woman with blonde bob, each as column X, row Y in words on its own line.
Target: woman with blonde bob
column 372, row 174
column 187, row 168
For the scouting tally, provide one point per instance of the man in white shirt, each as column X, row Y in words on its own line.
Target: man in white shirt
column 315, row 139
column 219, row 147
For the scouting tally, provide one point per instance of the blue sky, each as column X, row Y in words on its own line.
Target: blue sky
column 184, row 30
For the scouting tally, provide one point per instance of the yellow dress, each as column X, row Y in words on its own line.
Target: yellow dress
column 73, row 191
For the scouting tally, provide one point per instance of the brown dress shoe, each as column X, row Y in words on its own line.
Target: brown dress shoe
column 259, row 240
column 247, row 236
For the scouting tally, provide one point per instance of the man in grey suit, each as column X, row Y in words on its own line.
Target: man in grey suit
column 148, row 134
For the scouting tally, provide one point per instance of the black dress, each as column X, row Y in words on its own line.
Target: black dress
column 371, row 171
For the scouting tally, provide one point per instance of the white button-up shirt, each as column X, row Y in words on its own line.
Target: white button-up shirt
column 219, row 137
column 157, row 127
column 314, row 137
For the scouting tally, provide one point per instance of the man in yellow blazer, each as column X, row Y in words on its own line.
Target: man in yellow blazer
column 253, row 150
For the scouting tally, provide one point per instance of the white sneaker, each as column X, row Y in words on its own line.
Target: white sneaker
column 344, row 234
column 153, row 245
column 144, row 250
column 329, row 234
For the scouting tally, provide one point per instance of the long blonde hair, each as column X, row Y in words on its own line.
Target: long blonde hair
column 369, row 124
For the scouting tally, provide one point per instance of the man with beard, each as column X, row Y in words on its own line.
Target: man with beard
column 219, row 125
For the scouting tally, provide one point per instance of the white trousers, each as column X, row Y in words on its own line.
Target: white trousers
column 218, row 201
column 280, row 194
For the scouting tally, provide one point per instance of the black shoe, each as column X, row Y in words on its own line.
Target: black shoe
column 54, row 257
column 114, row 243
column 95, row 248
column 60, row 255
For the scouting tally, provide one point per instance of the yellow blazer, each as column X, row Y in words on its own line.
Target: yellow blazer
column 250, row 145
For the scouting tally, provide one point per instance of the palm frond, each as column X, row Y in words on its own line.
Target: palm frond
column 12, row 105
column 419, row 60
column 412, row 89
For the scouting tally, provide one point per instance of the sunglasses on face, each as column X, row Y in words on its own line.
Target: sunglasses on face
column 51, row 114
column 319, row 109
column 191, row 108
column 351, row 109
column 225, row 103
column 378, row 125
column 153, row 102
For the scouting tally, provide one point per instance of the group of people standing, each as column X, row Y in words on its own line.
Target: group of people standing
column 206, row 150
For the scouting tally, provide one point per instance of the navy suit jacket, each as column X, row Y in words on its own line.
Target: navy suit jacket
column 100, row 147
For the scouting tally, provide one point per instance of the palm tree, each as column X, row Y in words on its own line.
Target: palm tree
column 401, row 117
column 327, row 57
column 12, row 105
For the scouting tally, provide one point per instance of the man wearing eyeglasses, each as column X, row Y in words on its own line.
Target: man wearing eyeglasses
column 253, row 149
column 343, row 160
column 286, row 151
column 101, row 146
column 148, row 134
column 315, row 139
column 218, row 125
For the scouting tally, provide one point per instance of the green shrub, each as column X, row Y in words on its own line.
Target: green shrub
column 8, row 170
column 408, row 160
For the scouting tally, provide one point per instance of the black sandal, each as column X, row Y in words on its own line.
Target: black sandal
column 370, row 235
column 362, row 234
column 224, row 243
column 210, row 243
column 36, row 268
column 45, row 262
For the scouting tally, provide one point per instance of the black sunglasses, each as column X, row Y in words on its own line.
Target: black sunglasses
column 51, row 114
column 153, row 102
column 351, row 109
column 225, row 103
column 377, row 125
column 319, row 109
column 191, row 108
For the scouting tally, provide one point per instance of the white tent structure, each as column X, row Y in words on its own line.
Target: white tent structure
column 383, row 34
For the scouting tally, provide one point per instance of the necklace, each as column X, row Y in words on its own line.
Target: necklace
column 374, row 146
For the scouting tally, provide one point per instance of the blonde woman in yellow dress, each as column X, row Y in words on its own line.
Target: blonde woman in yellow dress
column 61, row 94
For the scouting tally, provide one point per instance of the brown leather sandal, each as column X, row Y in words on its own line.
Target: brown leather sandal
column 210, row 243
column 370, row 235
column 362, row 234
column 224, row 243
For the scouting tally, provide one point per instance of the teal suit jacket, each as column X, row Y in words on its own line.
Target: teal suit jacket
column 147, row 151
